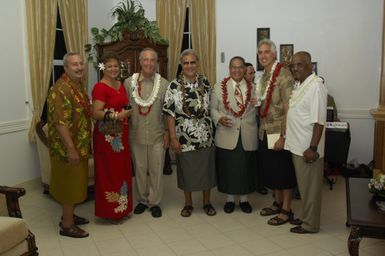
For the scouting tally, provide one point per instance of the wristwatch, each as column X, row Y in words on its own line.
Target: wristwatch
column 283, row 136
column 313, row 148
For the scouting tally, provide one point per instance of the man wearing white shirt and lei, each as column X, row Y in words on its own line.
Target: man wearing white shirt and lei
column 148, row 133
column 305, row 139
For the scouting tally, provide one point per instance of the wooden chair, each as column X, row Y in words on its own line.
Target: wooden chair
column 15, row 237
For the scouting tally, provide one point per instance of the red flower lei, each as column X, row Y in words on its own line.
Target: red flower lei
column 81, row 97
column 270, row 91
column 226, row 101
column 140, row 95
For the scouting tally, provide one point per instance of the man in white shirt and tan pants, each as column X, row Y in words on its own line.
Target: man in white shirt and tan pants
column 305, row 139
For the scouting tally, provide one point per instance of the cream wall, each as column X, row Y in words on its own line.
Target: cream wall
column 18, row 159
column 343, row 36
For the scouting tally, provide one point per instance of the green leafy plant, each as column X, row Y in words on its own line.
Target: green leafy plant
column 129, row 15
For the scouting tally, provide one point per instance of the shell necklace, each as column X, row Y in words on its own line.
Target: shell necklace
column 136, row 91
column 300, row 90
column 259, row 84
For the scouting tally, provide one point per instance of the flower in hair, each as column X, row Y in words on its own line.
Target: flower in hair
column 101, row 66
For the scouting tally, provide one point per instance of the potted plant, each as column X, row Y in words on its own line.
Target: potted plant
column 130, row 22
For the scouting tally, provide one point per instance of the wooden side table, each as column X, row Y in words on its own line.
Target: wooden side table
column 364, row 217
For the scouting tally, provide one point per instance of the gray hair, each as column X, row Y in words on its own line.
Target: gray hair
column 148, row 49
column 188, row 52
column 68, row 54
column 273, row 48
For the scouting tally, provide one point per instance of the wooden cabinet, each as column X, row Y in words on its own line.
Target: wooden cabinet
column 129, row 48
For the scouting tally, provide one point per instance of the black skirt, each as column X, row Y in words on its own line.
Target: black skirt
column 276, row 167
column 236, row 170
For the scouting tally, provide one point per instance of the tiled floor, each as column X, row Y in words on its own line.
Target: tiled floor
column 224, row 234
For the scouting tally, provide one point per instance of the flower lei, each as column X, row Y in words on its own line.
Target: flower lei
column 269, row 89
column 81, row 97
column 201, row 92
column 300, row 91
column 226, row 101
column 136, row 93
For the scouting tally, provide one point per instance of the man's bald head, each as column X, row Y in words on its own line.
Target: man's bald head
column 301, row 66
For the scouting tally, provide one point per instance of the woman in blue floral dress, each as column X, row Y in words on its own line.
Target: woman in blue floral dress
column 191, row 132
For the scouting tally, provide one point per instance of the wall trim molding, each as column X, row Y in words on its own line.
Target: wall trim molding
column 353, row 113
column 14, row 126
column 22, row 125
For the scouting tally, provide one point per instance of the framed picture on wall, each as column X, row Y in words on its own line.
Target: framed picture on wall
column 286, row 53
column 262, row 33
column 315, row 70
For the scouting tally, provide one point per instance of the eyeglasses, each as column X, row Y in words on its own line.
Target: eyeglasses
column 189, row 62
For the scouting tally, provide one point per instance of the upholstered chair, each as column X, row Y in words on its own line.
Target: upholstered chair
column 15, row 237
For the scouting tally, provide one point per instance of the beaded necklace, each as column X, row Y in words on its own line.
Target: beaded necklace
column 81, row 97
column 200, row 112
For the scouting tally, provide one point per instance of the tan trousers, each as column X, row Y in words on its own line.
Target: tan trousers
column 148, row 159
column 309, row 178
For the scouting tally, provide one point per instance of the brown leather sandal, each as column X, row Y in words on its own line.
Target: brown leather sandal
column 274, row 209
column 209, row 210
column 73, row 231
column 187, row 211
column 296, row 222
column 79, row 220
column 276, row 221
column 300, row 230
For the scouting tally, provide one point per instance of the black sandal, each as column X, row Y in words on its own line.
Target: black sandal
column 187, row 211
column 276, row 221
column 271, row 211
column 73, row 231
column 209, row 210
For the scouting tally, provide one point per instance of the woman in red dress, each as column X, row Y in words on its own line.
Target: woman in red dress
column 113, row 179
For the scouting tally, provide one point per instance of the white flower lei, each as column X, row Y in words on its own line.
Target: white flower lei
column 135, row 94
column 258, row 88
column 300, row 91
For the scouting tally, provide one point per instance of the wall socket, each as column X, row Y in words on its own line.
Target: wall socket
column 222, row 57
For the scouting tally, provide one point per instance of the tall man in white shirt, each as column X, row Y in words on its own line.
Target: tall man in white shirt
column 305, row 139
